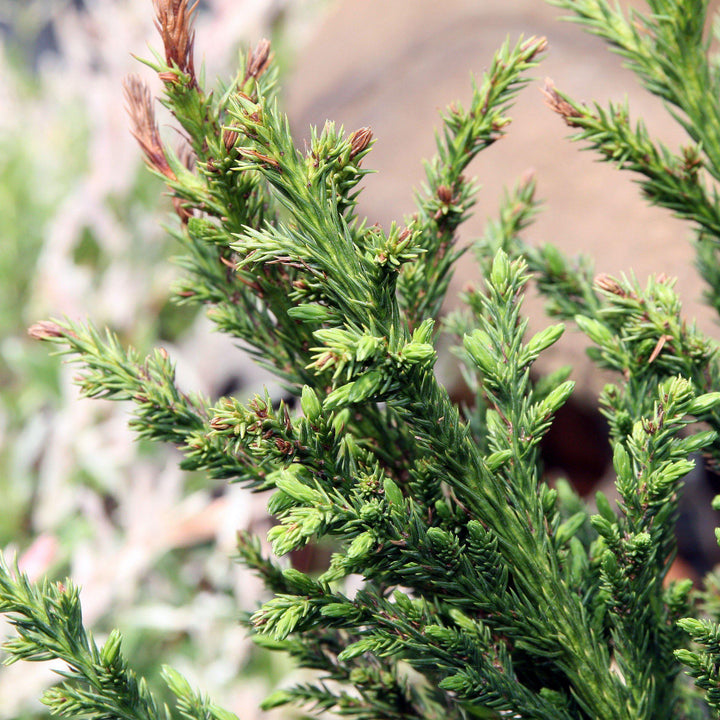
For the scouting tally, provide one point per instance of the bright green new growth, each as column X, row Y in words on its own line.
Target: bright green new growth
column 485, row 592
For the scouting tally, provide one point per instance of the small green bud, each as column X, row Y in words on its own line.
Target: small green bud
column 697, row 442
column 371, row 512
column 500, row 272
column 279, row 502
column 338, row 610
column 438, row 633
column 300, row 582
column 496, row 460
column 570, row 527
column 419, row 353
column 359, row 676
column 311, row 312
column 310, row 404
column 276, row 699
column 639, row 542
column 465, row 622
column 479, row 347
column 665, row 295
column 495, row 425
column 444, row 545
column 339, row 398
column 716, row 502
column 393, row 493
column 179, row 686
column 609, row 564
column 456, row 683
column 548, row 499
column 621, row 462
column 686, row 657
column 443, row 509
column 423, row 333
column 675, row 470
column 704, row 403
column 288, row 622
column 361, row 545
column 678, row 591
column 595, row 330
column 556, row 398
column 553, row 258
column 283, row 540
column 349, row 447
column 543, row 340
column 604, row 507
column 366, row 386
column 111, row 648
column 290, row 484
column 357, row 648
column 367, row 484
column 604, row 528
column 202, row 229
column 367, row 347
column 692, row 626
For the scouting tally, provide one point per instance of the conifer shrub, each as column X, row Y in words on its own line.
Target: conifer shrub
column 479, row 590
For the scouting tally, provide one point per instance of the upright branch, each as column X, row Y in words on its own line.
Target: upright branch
column 445, row 201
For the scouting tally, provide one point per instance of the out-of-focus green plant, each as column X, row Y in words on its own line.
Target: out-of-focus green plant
column 78, row 231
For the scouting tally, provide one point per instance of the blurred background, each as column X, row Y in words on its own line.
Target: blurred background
column 81, row 235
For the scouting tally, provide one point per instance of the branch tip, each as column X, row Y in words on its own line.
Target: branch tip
column 258, row 60
column 173, row 19
column 143, row 125
column 45, row 330
column 557, row 103
column 360, row 140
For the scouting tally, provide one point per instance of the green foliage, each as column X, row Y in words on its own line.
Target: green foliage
column 98, row 683
column 483, row 591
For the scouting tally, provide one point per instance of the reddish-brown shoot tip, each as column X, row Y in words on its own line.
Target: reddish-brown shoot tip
column 559, row 104
column 45, row 330
column 143, row 125
column 258, row 60
column 359, row 141
column 173, row 19
column 609, row 284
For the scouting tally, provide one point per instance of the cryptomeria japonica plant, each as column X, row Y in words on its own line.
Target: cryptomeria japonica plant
column 484, row 592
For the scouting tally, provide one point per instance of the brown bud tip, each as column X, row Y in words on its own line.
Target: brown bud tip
column 143, row 125
column 218, row 423
column 534, row 44
column 44, row 330
column 173, row 19
column 258, row 60
column 444, row 194
column 559, row 104
column 261, row 157
column 230, row 137
column 609, row 284
column 360, row 140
